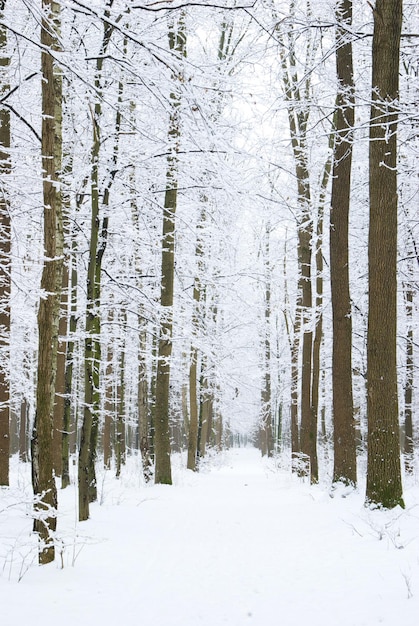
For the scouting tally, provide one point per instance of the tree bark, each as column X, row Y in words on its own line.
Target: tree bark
column 144, row 418
column 120, row 421
column 68, row 371
column 193, row 411
column 143, row 405
column 92, row 351
column 109, row 404
column 409, row 383
column 318, row 329
column 23, row 431
column 194, row 430
column 294, row 345
column 42, row 441
column 296, row 92
column 266, row 394
column 205, row 410
column 59, row 402
column 384, row 485
column 5, row 264
column 163, row 472
column 343, row 410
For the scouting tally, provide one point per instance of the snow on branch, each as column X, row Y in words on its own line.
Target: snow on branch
column 170, row 5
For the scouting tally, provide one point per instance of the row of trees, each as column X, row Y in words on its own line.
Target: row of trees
column 167, row 171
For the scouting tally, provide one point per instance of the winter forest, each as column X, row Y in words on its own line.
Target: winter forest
column 209, row 245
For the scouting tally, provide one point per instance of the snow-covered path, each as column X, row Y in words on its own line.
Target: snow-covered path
column 241, row 544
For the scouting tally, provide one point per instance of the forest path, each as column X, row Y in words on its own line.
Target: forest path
column 240, row 544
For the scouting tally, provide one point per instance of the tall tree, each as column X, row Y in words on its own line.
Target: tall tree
column 120, row 451
column 69, row 356
column 193, row 366
column 293, row 334
column 143, row 391
column 109, row 400
column 384, row 484
column 266, row 435
column 205, row 409
column 59, row 401
column 97, row 246
column 297, row 97
column 343, row 410
column 163, row 472
column 408, row 291
column 5, row 263
column 293, row 330
column 318, row 329
column 48, row 315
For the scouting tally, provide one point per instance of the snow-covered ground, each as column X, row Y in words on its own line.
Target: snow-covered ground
column 243, row 543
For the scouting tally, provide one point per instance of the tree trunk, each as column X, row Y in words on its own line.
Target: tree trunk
column 59, row 402
column 23, row 431
column 294, row 345
column 298, row 115
column 193, row 411
column 92, row 352
column 120, row 422
column 68, row 373
column 343, row 410
column 42, row 442
column 384, row 485
column 5, row 263
column 109, row 406
column 409, row 383
column 193, row 434
column 92, row 347
column 205, row 410
column 143, row 406
column 308, row 430
column 163, row 472
column 266, row 394
column 144, row 418
column 318, row 329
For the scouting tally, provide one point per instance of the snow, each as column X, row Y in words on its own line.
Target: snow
column 242, row 543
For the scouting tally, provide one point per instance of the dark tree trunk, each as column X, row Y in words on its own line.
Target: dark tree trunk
column 5, row 264
column 343, row 411
column 42, row 440
column 92, row 350
column 384, row 485
column 163, row 471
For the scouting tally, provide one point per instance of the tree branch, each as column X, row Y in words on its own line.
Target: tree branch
column 22, row 119
column 155, row 6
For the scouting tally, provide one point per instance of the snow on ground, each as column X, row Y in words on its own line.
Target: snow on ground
column 243, row 543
